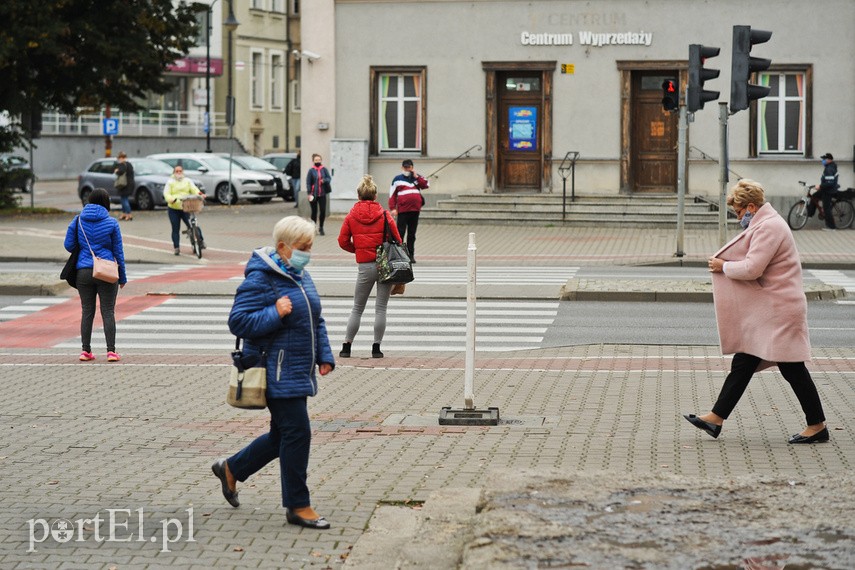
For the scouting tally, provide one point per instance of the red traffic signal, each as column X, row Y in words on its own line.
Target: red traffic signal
column 696, row 95
column 670, row 95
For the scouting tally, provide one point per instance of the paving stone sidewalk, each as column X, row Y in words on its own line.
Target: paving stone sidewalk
column 79, row 439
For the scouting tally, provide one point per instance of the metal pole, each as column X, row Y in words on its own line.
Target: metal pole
column 681, row 180
column 208, row 79
column 563, row 198
column 469, row 375
column 32, row 167
column 229, row 101
column 722, row 175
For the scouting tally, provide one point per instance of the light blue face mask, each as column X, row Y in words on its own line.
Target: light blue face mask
column 299, row 259
column 746, row 219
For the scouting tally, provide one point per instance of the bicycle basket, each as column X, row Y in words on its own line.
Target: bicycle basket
column 192, row 205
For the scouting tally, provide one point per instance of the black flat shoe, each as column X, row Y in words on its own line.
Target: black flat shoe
column 319, row 523
column 818, row 437
column 711, row 429
column 219, row 469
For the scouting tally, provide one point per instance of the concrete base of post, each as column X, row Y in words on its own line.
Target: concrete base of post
column 464, row 417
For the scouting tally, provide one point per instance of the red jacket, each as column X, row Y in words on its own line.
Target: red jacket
column 362, row 230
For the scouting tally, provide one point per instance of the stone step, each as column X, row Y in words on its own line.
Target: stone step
column 572, row 219
column 585, row 207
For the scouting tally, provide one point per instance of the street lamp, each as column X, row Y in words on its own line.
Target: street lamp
column 231, row 25
column 208, row 10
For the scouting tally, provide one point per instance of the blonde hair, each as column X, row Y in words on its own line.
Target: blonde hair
column 367, row 190
column 746, row 192
column 293, row 229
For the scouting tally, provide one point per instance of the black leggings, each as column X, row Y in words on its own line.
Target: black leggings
column 88, row 289
column 316, row 204
column 408, row 223
column 796, row 373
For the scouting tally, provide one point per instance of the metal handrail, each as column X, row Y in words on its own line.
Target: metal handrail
column 706, row 156
column 156, row 123
column 464, row 154
column 568, row 165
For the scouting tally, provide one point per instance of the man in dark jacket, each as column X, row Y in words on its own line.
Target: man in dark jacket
column 406, row 201
column 292, row 169
column 125, row 192
column 827, row 188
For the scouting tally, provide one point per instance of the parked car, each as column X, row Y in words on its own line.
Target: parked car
column 20, row 174
column 280, row 160
column 213, row 170
column 150, row 176
column 283, row 185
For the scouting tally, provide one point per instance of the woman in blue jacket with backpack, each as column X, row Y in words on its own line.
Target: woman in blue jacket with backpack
column 277, row 311
column 96, row 232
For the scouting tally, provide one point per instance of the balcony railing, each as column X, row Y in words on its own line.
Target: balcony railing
column 146, row 124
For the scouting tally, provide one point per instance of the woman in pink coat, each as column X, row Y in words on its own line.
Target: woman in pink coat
column 761, row 311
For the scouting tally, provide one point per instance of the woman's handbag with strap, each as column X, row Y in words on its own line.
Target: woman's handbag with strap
column 247, row 380
column 121, row 181
column 393, row 259
column 102, row 269
column 69, row 271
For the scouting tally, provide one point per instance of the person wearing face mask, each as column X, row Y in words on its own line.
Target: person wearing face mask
column 317, row 188
column 277, row 311
column 176, row 189
column 761, row 312
column 406, row 201
column 826, row 189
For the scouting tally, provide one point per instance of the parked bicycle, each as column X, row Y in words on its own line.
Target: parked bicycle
column 192, row 205
column 841, row 208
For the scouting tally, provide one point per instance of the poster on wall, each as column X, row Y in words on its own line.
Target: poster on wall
column 522, row 123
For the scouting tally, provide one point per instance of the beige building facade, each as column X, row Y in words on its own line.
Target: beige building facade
column 519, row 84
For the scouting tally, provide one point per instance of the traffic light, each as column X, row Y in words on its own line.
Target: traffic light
column 670, row 95
column 742, row 92
column 696, row 94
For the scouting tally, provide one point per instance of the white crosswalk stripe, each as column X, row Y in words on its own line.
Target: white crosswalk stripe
column 413, row 325
column 432, row 275
column 29, row 307
column 139, row 271
column 837, row 278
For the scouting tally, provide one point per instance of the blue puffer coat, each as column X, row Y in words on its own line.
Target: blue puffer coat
column 296, row 343
column 104, row 237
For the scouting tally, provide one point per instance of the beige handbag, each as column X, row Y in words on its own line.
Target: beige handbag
column 102, row 269
column 247, row 385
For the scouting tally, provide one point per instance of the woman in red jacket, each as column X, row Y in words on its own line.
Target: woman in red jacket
column 361, row 232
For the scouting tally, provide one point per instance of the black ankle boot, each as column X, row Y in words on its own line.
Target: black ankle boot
column 345, row 350
column 375, row 350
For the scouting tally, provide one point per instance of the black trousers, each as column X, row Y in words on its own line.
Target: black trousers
column 408, row 222
column 319, row 204
column 796, row 373
column 90, row 290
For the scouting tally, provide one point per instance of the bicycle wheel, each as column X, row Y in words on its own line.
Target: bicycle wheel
column 843, row 214
column 196, row 238
column 798, row 216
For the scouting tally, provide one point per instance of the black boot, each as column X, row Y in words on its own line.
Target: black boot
column 345, row 350
column 375, row 350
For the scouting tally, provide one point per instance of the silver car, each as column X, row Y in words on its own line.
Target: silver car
column 283, row 184
column 213, row 170
column 149, row 178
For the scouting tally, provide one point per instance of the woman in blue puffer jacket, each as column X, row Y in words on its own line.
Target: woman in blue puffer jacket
column 277, row 311
column 105, row 240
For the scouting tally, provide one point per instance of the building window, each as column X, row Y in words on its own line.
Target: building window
column 277, row 6
column 399, row 110
column 256, row 80
column 782, row 116
column 295, row 7
column 276, row 73
column 295, row 96
column 257, row 4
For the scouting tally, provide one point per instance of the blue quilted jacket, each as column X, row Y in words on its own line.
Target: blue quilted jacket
column 296, row 343
column 104, row 237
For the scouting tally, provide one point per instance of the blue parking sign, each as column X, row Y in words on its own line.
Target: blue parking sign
column 110, row 127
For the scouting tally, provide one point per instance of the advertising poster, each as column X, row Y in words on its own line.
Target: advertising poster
column 522, row 122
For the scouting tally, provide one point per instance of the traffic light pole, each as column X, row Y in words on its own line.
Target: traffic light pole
column 681, row 179
column 722, row 173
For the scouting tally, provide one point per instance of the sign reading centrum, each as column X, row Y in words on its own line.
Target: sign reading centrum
column 586, row 38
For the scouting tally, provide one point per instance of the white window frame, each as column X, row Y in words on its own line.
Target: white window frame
column 277, row 84
column 256, row 75
column 296, row 105
column 277, row 6
column 295, row 7
column 782, row 99
column 256, row 4
column 400, row 99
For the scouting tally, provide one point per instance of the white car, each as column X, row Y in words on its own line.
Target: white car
column 213, row 171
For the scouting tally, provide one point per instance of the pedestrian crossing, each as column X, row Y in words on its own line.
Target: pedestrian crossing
column 413, row 325
column 838, row 279
column 29, row 307
column 438, row 275
column 140, row 271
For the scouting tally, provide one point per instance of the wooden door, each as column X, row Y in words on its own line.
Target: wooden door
column 520, row 130
column 654, row 135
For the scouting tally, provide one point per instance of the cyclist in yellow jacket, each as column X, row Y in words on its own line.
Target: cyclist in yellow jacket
column 177, row 188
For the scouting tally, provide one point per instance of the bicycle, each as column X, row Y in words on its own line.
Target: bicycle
column 192, row 205
column 842, row 210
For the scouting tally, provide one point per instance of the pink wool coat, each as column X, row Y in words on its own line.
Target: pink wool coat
column 760, row 303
